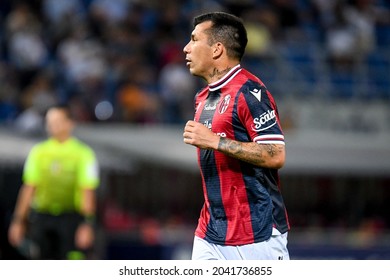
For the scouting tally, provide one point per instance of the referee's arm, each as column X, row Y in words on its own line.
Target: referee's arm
column 17, row 228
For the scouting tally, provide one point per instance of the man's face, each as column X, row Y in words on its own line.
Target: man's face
column 199, row 54
column 58, row 125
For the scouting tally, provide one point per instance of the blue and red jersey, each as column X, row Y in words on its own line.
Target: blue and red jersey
column 243, row 202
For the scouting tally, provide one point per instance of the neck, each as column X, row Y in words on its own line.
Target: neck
column 217, row 74
column 62, row 138
column 218, row 71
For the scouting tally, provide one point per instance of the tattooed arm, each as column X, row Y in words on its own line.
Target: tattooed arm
column 264, row 155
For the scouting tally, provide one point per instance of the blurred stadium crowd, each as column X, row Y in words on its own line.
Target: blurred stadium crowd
column 122, row 60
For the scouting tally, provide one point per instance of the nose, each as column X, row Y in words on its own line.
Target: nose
column 186, row 48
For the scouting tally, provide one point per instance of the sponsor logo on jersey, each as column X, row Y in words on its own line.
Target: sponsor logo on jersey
column 224, row 104
column 210, row 107
column 222, row 134
column 208, row 124
column 256, row 93
column 264, row 121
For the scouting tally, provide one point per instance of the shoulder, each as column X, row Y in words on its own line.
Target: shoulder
column 81, row 146
column 38, row 150
column 244, row 82
column 249, row 80
column 253, row 86
column 249, row 75
column 42, row 145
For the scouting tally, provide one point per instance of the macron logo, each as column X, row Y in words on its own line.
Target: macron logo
column 256, row 93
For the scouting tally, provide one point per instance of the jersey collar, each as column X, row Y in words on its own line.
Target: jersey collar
column 54, row 140
column 225, row 79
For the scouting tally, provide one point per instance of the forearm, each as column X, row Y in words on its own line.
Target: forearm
column 22, row 207
column 88, row 208
column 85, row 232
column 263, row 155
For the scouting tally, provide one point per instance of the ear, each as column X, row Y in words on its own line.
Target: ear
column 218, row 50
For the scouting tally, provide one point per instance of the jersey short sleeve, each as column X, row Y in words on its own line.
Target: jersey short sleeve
column 30, row 169
column 260, row 115
column 88, row 174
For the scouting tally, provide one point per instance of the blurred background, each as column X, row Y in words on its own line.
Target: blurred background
column 120, row 65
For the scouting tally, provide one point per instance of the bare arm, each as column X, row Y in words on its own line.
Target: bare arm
column 17, row 228
column 88, row 207
column 23, row 202
column 263, row 155
column 85, row 233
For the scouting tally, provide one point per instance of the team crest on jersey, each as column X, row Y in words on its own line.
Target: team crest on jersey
column 55, row 167
column 224, row 104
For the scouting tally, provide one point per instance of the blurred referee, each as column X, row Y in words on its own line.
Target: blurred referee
column 56, row 205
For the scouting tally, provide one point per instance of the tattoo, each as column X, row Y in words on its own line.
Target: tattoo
column 271, row 149
column 218, row 73
column 230, row 146
column 254, row 153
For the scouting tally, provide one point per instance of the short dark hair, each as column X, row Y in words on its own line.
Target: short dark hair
column 227, row 29
column 64, row 108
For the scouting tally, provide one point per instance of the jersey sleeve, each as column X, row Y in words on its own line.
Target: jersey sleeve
column 260, row 116
column 30, row 169
column 88, row 174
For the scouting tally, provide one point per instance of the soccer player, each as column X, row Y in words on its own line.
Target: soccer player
column 57, row 200
column 240, row 147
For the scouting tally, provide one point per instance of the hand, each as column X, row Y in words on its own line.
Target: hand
column 200, row 136
column 84, row 236
column 16, row 233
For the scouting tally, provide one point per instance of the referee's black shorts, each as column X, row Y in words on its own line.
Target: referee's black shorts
column 53, row 236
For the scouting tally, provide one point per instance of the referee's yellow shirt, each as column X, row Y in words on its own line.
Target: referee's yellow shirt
column 60, row 172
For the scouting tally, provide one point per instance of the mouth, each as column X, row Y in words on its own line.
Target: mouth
column 188, row 62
